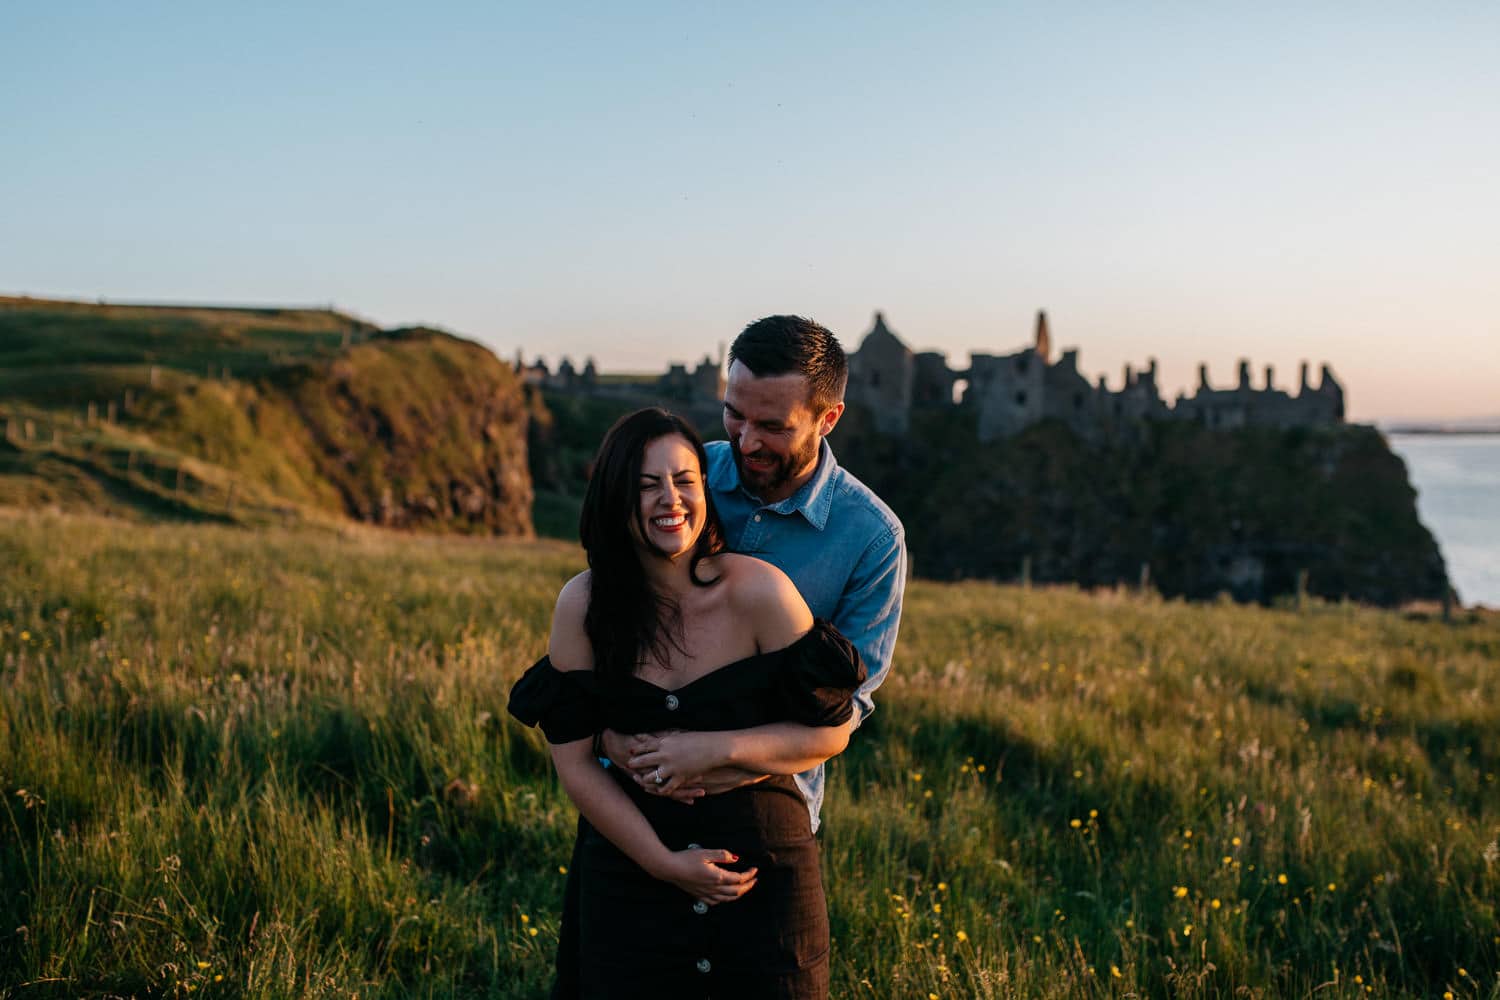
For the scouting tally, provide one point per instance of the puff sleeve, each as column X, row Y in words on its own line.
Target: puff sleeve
column 820, row 673
column 565, row 703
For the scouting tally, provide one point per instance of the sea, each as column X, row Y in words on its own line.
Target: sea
column 1457, row 478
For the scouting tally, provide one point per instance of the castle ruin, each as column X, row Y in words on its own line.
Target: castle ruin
column 1006, row 392
column 1010, row 392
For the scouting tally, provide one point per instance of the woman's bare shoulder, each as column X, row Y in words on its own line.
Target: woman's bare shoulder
column 767, row 598
column 568, row 647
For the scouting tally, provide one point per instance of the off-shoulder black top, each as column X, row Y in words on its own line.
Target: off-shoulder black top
column 811, row 681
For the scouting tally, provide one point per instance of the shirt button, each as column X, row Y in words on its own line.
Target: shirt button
column 757, row 517
column 700, row 907
column 704, row 965
column 672, row 703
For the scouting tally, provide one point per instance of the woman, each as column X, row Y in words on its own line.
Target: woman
column 667, row 631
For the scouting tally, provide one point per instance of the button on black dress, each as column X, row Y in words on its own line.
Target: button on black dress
column 641, row 937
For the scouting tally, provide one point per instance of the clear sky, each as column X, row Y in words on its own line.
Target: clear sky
column 1193, row 182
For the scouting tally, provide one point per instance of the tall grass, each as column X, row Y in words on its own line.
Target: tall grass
column 278, row 764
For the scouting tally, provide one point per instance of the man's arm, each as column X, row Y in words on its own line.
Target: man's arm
column 686, row 758
column 869, row 612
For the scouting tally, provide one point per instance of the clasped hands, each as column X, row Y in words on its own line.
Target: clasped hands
column 678, row 764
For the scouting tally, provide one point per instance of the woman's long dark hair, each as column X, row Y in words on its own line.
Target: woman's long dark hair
column 627, row 620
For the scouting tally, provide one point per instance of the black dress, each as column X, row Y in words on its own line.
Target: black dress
column 641, row 937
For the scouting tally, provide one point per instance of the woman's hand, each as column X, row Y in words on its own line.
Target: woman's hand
column 666, row 762
column 697, row 872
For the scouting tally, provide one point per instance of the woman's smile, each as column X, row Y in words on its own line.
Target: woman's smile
column 673, row 506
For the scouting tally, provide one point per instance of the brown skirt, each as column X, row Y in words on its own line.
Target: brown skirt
column 640, row 937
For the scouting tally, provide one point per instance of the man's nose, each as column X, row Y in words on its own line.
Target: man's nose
column 748, row 441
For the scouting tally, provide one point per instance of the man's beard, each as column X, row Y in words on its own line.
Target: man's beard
column 763, row 481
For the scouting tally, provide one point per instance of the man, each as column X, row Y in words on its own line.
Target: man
column 783, row 498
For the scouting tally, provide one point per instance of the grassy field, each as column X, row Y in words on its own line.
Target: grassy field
column 278, row 764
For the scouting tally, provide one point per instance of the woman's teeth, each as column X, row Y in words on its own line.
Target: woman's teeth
column 671, row 521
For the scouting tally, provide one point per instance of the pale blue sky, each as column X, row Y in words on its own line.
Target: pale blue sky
column 1185, row 181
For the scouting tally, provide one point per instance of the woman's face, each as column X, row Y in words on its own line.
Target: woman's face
column 672, row 505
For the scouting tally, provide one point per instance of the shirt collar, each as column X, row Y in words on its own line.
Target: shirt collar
column 813, row 500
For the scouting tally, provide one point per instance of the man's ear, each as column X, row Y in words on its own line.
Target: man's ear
column 830, row 419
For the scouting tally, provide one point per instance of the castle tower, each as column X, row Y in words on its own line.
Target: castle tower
column 881, row 373
column 1043, row 337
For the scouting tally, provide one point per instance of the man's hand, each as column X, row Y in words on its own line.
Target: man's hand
column 676, row 757
column 616, row 747
column 621, row 748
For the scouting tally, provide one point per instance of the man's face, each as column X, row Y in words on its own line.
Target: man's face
column 773, row 431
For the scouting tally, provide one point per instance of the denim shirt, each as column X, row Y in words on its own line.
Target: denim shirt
column 842, row 547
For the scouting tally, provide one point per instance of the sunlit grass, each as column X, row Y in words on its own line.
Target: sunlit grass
column 278, row 764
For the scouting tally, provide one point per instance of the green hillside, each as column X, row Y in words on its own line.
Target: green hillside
column 277, row 764
column 257, row 415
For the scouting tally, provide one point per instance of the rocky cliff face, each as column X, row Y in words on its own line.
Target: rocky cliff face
column 1203, row 512
column 415, row 429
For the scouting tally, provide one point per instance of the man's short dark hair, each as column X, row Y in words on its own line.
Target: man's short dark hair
column 780, row 345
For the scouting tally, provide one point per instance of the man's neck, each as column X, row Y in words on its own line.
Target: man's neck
column 791, row 486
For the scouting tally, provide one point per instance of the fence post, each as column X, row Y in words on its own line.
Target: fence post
column 1145, row 579
column 1025, row 572
column 1301, row 589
